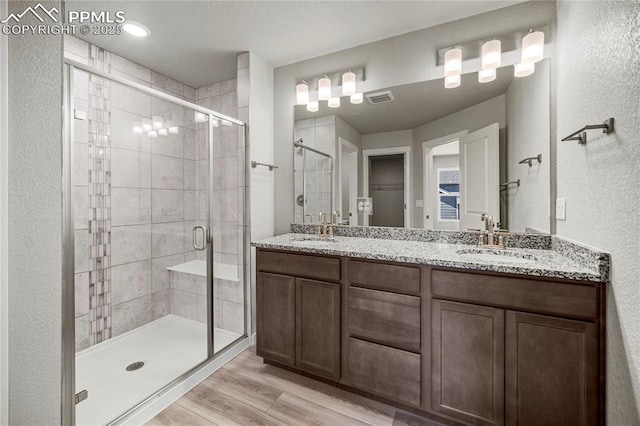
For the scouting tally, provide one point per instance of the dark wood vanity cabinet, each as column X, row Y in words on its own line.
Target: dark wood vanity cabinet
column 492, row 365
column 470, row 348
column 551, row 371
column 298, row 319
column 467, row 358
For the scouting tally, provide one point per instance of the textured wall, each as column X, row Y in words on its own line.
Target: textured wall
column 35, row 217
column 404, row 59
column 598, row 63
column 528, row 121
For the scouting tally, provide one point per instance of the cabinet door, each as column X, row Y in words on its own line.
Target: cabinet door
column 551, row 375
column 468, row 362
column 318, row 327
column 276, row 317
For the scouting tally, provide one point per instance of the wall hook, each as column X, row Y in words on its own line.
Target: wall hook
column 530, row 160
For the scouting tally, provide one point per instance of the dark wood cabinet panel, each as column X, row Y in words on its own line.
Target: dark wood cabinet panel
column 551, row 371
column 384, row 371
column 276, row 315
column 467, row 358
column 382, row 317
column 318, row 327
column 299, row 265
column 384, row 276
column 562, row 299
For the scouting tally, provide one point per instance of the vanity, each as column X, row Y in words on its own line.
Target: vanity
column 434, row 325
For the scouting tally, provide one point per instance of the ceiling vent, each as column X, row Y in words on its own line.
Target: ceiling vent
column 380, row 97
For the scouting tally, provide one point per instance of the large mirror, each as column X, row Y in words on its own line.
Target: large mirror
column 423, row 156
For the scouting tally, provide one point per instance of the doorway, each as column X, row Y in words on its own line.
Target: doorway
column 347, row 187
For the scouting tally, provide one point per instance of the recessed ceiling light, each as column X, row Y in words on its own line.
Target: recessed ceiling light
column 136, row 29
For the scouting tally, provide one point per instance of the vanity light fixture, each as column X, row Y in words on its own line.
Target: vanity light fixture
column 532, row 47
column 136, row 29
column 152, row 134
column 349, row 83
column 452, row 81
column 324, row 88
column 302, row 93
column 174, row 130
column 486, row 76
column 523, row 69
column 312, row 106
column 491, row 55
column 356, row 98
column 334, row 102
column 453, row 62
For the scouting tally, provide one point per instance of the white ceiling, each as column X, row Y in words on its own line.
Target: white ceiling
column 196, row 42
column 415, row 104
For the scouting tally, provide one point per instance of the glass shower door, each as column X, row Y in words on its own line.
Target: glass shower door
column 141, row 185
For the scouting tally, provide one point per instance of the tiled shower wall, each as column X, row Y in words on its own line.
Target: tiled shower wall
column 228, row 203
column 156, row 197
column 318, row 133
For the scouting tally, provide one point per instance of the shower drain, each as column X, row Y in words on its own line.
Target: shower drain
column 135, row 366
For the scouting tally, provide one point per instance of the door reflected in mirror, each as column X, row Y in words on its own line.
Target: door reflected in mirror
column 432, row 157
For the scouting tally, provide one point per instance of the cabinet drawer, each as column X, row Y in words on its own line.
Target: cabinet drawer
column 396, row 278
column 384, row 371
column 300, row 265
column 383, row 317
column 571, row 300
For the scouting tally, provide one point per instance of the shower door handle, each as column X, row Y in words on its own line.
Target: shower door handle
column 205, row 237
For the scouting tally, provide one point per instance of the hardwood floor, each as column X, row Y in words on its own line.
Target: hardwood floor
column 248, row 392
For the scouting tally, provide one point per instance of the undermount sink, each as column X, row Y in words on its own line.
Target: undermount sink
column 490, row 255
column 312, row 241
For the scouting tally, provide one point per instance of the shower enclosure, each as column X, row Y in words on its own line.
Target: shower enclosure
column 313, row 178
column 155, row 248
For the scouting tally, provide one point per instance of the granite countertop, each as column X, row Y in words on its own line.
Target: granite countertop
column 526, row 261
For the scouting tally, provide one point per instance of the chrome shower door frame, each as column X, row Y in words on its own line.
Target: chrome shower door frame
column 68, row 264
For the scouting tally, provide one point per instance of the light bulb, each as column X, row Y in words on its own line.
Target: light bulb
column 215, row 122
column 485, row 76
column 532, row 47
column 302, row 94
column 152, row 134
column 348, row 83
column 334, row 102
column 146, row 125
column 491, row 55
column 356, row 98
column 157, row 122
column 452, row 81
column 324, row 89
column 163, row 132
column 453, row 62
column 312, row 106
column 137, row 130
column 523, row 69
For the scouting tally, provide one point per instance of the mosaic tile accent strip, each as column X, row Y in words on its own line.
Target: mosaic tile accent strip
column 99, row 199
